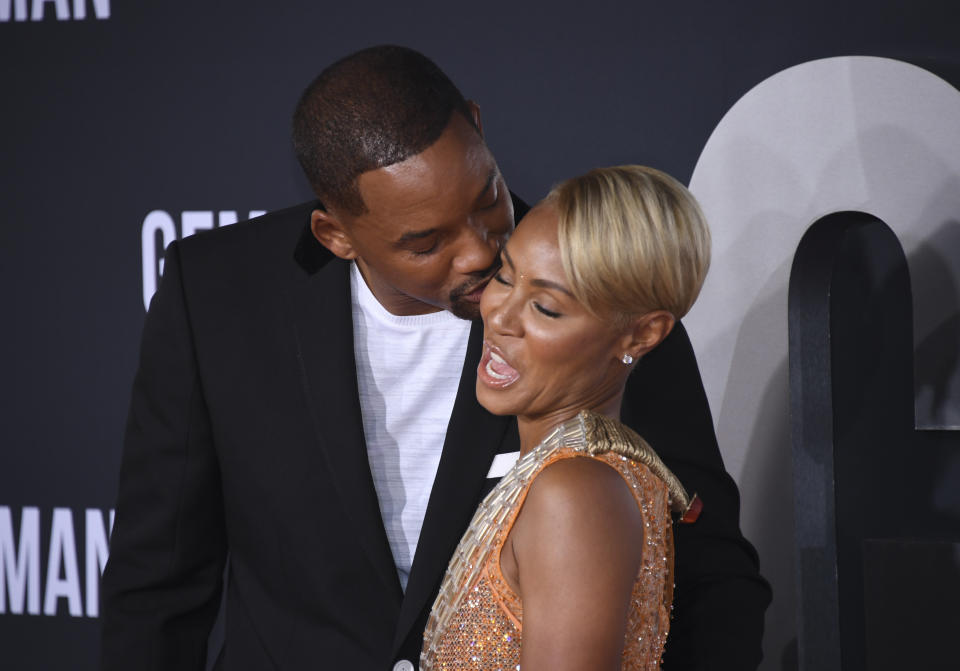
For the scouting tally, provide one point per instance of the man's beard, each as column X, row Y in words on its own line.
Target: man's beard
column 464, row 309
column 459, row 305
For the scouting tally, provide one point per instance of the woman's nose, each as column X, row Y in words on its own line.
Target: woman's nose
column 502, row 314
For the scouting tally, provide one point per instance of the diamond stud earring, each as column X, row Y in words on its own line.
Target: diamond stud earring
column 626, row 359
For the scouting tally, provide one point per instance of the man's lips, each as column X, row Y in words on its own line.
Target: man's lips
column 494, row 371
column 473, row 295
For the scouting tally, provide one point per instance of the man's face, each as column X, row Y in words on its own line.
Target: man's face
column 433, row 228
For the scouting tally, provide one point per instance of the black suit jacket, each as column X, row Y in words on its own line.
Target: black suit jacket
column 245, row 445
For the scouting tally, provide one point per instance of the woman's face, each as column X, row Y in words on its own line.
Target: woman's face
column 544, row 355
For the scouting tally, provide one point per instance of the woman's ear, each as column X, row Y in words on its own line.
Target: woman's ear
column 332, row 234
column 646, row 332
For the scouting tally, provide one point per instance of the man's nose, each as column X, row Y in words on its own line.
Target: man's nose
column 480, row 249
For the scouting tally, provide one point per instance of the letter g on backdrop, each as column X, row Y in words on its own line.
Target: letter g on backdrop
column 849, row 133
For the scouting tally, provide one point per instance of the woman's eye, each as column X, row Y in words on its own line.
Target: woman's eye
column 549, row 313
column 501, row 279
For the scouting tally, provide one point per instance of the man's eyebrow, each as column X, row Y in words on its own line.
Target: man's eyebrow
column 486, row 186
column 410, row 236
column 546, row 284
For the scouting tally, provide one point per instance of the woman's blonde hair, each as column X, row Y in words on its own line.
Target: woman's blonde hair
column 632, row 240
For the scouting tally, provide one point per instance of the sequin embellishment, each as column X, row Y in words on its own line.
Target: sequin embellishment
column 476, row 620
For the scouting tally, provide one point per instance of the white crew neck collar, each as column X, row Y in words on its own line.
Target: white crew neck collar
column 374, row 308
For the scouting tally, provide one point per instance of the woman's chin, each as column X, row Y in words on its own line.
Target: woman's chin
column 494, row 401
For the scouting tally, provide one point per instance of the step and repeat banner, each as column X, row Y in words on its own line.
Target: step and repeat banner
column 125, row 126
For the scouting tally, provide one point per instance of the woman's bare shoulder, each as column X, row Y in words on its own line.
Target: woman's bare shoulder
column 578, row 544
column 582, row 500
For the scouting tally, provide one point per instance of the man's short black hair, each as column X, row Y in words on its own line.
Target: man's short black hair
column 369, row 110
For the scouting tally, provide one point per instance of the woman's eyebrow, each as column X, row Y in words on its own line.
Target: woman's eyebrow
column 546, row 284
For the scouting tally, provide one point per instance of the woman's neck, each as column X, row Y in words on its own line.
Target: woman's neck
column 533, row 429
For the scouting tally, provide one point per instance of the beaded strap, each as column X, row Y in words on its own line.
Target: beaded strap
column 602, row 434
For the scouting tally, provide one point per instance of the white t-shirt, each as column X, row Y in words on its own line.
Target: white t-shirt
column 408, row 371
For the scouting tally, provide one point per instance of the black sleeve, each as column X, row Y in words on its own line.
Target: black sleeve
column 720, row 596
column 162, row 582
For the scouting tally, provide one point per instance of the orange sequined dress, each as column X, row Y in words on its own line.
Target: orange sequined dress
column 477, row 621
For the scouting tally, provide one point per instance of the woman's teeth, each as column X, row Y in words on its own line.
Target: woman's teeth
column 498, row 368
column 492, row 373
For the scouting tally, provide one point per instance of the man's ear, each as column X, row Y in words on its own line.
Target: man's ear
column 475, row 115
column 332, row 234
column 646, row 332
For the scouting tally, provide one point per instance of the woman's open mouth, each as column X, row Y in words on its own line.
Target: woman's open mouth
column 494, row 371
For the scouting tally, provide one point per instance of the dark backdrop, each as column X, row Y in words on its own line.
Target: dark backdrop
column 184, row 108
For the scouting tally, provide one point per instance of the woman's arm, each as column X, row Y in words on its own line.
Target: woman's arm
column 577, row 543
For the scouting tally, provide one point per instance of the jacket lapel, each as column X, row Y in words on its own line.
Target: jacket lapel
column 473, row 437
column 323, row 322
